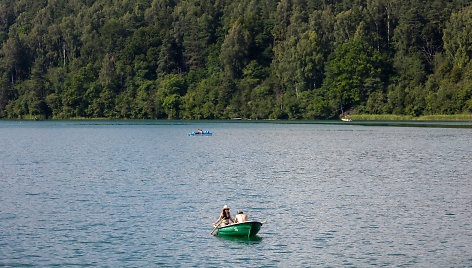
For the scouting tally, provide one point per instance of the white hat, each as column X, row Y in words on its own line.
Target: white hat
column 226, row 207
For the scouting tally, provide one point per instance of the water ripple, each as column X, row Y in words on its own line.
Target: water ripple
column 146, row 195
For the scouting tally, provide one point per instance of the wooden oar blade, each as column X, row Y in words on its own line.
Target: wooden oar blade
column 216, row 226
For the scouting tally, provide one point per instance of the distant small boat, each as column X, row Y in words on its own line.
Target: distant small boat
column 346, row 119
column 200, row 133
column 243, row 229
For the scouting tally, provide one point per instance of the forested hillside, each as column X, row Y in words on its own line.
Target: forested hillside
column 219, row 59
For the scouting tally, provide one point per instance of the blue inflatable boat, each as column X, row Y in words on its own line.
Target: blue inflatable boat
column 202, row 133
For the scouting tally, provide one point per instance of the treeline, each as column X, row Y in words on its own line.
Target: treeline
column 218, row 59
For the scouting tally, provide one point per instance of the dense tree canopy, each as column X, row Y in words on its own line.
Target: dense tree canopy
column 219, row 59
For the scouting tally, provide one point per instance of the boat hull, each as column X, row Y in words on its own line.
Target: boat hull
column 244, row 229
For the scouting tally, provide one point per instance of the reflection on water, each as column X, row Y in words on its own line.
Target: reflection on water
column 241, row 239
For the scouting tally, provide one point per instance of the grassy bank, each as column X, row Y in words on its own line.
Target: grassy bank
column 393, row 117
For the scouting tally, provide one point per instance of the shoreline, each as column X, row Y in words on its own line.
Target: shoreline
column 354, row 117
column 392, row 117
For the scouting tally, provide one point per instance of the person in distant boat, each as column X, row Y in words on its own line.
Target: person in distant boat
column 240, row 217
column 225, row 217
column 199, row 131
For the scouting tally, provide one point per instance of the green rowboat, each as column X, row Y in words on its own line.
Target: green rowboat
column 247, row 229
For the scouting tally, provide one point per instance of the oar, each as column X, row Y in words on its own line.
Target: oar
column 216, row 226
column 263, row 222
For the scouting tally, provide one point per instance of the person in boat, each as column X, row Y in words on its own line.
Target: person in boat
column 199, row 131
column 240, row 217
column 225, row 217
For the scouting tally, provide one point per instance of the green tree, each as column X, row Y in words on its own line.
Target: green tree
column 168, row 96
column 352, row 74
column 457, row 37
column 234, row 51
column 5, row 89
column 11, row 56
column 108, row 74
column 299, row 63
column 74, row 103
column 220, row 59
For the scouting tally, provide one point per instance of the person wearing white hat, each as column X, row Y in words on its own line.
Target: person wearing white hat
column 225, row 217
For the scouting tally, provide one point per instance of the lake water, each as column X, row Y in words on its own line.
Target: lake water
column 143, row 193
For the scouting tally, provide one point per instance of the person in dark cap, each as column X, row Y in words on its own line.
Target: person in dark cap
column 240, row 217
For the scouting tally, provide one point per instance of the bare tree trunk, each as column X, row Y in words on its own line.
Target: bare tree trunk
column 377, row 31
column 388, row 23
column 64, row 54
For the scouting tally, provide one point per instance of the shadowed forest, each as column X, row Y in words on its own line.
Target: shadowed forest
column 220, row 59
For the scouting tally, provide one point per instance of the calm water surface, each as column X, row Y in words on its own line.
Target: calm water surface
column 140, row 194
